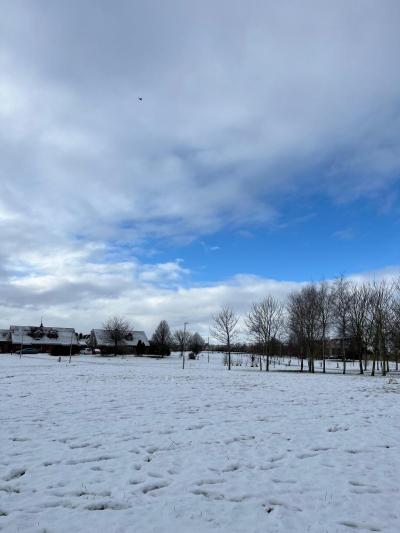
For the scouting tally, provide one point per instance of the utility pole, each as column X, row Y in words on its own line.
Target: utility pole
column 22, row 344
column 183, row 344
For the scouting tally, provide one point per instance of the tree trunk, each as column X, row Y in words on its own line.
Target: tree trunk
column 323, row 355
column 310, row 359
column 360, row 353
column 383, row 358
column 373, row 362
column 344, row 357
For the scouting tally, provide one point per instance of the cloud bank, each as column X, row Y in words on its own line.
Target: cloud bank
column 245, row 105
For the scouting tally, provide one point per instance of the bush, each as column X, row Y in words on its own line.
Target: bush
column 159, row 349
column 140, row 348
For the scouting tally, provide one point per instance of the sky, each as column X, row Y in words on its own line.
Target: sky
column 265, row 153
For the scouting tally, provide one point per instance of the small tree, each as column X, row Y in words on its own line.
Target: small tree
column 359, row 312
column 140, row 348
column 325, row 312
column 265, row 322
column 116, row 328
column 304, row 321
column 296, row 324
column 162, row 339
column 224, row 328
column 381, row 320
column 181, row 339
column 395, row 326
column 341, row 300
column 196, row 343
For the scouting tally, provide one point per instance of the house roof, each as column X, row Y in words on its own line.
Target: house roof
column 102, row 339
column 37, row 335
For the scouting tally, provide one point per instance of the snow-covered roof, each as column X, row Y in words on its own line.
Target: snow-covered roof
column 5, row 335
column 43, row 335
column 132, row 339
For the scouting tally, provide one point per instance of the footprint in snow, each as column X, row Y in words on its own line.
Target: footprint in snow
column 231, row 468
column 15, row 473
column 209, row 482
column 150, row 487
column 354, row 525
column 103, row 506
column 208, row 494
column 306, row 455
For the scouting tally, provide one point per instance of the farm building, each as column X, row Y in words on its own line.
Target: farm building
column 135, row 342
column 54, row 340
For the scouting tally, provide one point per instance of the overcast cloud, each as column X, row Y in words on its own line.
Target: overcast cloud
column 245, row 104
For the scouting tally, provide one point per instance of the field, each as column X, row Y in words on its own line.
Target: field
column 141, row 445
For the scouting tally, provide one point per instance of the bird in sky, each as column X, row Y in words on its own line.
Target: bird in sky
column 140, row 99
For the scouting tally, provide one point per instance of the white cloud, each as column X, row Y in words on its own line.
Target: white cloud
column 244, row 105
column 74, row 288
column 229, row 118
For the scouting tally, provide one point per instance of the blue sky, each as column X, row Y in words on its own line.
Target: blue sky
column 312, row 239
column 265, row 153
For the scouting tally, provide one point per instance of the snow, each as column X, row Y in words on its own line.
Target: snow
column 138, row 444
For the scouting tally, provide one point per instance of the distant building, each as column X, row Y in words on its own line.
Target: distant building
column 135, row 342
column 336, row 345
column 5, row 341
column 54, row 340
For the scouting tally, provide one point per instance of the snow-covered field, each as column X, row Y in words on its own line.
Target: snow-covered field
column 140, row 445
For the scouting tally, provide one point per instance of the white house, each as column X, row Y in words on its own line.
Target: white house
column 134, row 341
column 55, row 340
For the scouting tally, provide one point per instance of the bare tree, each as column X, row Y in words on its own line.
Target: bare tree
column 359, row 306
column 265, row 322
column 117, row 329
column 162, row 339
column 311, row 321
column 395, row 328
column 224, row 328
column 304, row 320
column 295, row 324
column 381, row 302
column 196, row 343
column 181, row 338
column 325, row 312
column 341, row 313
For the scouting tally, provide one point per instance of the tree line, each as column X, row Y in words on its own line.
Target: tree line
column 361, row 321
column 162, row 341
column 352, row 321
